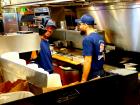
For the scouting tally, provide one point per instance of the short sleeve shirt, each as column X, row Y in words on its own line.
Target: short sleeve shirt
column 93, row 45
column 45, row 60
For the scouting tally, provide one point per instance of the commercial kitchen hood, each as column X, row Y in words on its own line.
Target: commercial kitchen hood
column 104, row 1
column 59, row 2
column 31, row 2
column 90, row 2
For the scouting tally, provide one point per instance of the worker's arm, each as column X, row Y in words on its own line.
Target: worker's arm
column 34, row 55
column 86, row 68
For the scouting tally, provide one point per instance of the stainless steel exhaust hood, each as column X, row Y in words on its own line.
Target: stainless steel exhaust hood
column 58, row 2
column 104, row 1
column 91, row 2
column 107, row 1
column 35, row 2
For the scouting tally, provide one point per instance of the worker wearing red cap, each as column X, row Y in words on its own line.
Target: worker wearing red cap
column 45, row 31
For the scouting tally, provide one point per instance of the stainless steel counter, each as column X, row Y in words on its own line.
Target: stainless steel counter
column 19, row 42
column 109, row 67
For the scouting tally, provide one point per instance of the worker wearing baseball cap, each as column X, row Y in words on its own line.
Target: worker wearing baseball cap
column 45, row 31
column 93, row 49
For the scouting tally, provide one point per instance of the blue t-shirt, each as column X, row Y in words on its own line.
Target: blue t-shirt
column 45, row 58
column 93, row 45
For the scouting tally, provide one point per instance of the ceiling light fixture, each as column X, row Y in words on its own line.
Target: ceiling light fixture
column 39, row 2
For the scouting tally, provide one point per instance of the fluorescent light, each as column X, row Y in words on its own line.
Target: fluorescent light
column 39, row 2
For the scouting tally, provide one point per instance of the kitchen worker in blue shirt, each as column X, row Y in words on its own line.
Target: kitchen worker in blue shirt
column 45, row 31
column 93, row 48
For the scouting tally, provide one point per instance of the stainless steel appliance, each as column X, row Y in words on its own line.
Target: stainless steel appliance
column 40, row 13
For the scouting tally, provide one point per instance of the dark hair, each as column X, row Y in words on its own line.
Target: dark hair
column 42, row 31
